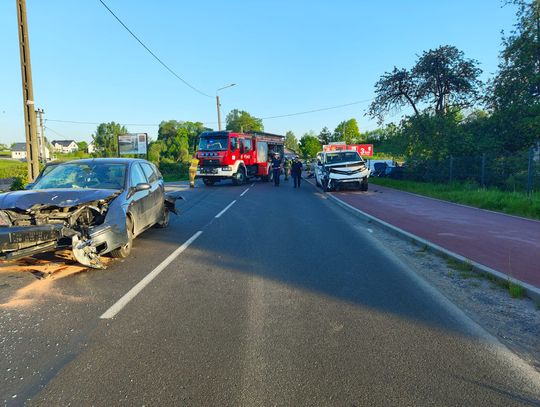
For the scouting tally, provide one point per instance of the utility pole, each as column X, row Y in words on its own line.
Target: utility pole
column 42, row 150
column 218, row 113
column 32, row 150
column 218, row 104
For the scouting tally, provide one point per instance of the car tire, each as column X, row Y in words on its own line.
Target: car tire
column 364, row 185
column 123, row 251
column 164, row 218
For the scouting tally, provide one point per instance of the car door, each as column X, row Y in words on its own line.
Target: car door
column 139, row 200
column 157, row 193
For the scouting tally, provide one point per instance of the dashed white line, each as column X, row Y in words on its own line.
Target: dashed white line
column 122, row 302
column 370, row 230
column 252, row 185
column 242, row 194
column 225, row 210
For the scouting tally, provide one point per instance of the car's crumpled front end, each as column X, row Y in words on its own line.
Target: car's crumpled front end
column 346, row 173
column 76, row 221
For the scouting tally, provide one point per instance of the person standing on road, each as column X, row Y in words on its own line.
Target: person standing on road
column 276, row 168
column 193, row 171
column 296, row 171
column 287, row 168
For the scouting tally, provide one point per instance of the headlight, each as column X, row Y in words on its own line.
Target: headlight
column 226, row 168
column 4, row 219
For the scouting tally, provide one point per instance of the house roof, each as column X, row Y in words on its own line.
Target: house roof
column 64, row 143
column 19, row 147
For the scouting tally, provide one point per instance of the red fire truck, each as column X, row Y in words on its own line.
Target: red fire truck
column 237, row 156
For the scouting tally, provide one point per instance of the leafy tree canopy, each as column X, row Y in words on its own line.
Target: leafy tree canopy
column 325, row 136
column 291, row 142
column 178, row 139
column 106, row 138
column 309, row 145
column 347, row 131
column 240, row 120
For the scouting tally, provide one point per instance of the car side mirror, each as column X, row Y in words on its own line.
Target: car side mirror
column 143, row 186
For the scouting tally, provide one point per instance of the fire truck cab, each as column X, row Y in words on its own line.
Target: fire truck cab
column 237, row 156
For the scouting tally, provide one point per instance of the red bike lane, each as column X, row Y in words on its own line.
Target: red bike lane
column 508, row 244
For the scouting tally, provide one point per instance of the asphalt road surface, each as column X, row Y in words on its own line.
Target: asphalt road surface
column 278, row 299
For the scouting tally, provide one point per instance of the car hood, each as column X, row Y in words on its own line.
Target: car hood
column 346, row 164
column 62, row 198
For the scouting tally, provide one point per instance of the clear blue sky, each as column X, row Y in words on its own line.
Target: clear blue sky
column 286, row 56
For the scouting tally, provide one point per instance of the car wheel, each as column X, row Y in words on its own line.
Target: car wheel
column 364, row 185
column 123, row 251
column 164, row 219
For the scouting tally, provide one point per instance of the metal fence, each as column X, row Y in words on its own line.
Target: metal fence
column 518, row 172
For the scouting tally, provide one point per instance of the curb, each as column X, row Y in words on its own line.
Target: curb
column 530, row 290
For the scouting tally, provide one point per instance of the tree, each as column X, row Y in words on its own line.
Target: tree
column 325, row 136
column 82, row 145
column 291, row 142
column 445, row 78
column 309, row 145
column 240, row 120
column 347, row 131
column 106, row 138
column 441, row 78
column 393, row 91
column 155, row 149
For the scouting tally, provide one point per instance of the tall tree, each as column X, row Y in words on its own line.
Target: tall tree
column 309, row 145
column 347, row 131
column 291, row 142
column 446, row 78
column 82, row 145
column 325, row 136
column 240, row 120
column 393, row 91
column 441, row 78
column 106, row 138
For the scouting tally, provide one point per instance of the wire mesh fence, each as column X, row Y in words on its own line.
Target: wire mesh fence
column 519, row 172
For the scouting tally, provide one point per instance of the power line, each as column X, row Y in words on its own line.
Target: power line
column 318, row 110
column 322, row 109
column 151, row 53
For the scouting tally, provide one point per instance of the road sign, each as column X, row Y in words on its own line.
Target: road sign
column 365, row 150
column 133, row 144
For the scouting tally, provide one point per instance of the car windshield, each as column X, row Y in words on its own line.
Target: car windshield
column 342, row 157
column 87, row 175
column 213, row 143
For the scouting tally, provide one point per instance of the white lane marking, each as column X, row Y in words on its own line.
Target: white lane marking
column 242, row 194
column 370, row 230
column 252, row 185
column 225, row 210
column 122, row 302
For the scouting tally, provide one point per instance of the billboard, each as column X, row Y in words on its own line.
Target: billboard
column 133, row 144
column 365, row 150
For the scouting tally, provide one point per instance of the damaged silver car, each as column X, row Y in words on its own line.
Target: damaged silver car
column 93, row 206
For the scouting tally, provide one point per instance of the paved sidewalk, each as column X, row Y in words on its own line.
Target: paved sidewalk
column 507, row 244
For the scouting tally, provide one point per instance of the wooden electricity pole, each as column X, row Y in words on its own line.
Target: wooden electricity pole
column 32, row 149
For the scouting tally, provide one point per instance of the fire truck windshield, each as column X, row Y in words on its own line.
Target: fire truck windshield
column 213, row 143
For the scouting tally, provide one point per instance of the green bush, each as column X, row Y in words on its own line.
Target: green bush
column 18, row 183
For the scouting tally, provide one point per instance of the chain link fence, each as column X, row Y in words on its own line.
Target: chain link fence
column 519, row 172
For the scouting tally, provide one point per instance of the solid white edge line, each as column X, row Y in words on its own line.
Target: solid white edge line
column 242, row 194
column 122, row 302
column 225, row 210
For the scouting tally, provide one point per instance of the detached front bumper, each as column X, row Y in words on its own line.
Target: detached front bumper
column 21, row 241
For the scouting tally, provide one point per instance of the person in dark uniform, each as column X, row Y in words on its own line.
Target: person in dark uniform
column 276, row 168
column 296, row 172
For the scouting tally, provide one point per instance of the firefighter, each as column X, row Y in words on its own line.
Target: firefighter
column 287, row 168
column 296, row 172
column 193, row 171
column 276, row 168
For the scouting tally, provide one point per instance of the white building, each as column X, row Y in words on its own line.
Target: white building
column 64, row 146
column 18, row 152
column 91, row 148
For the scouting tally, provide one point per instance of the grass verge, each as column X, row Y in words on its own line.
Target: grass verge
column 512, row 203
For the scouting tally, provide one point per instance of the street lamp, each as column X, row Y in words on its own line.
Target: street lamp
column 218, row 104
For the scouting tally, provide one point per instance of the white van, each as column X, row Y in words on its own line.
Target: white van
column 335, row 168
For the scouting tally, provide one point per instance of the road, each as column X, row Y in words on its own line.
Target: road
column 282, row 299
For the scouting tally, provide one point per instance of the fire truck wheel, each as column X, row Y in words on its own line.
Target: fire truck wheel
column 239, row 177
column 208, row 182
